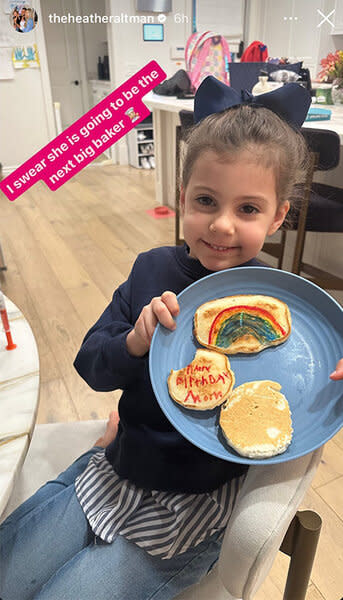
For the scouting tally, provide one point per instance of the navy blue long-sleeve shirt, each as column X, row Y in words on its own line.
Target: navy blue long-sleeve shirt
column 147, row 449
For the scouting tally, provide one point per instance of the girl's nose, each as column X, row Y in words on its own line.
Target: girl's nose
column 224, row 224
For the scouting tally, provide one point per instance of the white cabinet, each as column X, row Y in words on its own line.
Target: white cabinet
column 276, row 32
column 305, row 33
column 290, row 29
column 141, row 146
column 222, row 16
column 99, row 90
column 337, row 18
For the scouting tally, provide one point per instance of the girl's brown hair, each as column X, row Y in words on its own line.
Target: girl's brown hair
column 259, row 132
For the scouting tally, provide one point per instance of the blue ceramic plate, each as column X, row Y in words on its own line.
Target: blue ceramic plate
column 301, row 365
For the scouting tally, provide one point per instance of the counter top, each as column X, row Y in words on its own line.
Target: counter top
column 334, row 124
column 169, row 103
column 173, row 104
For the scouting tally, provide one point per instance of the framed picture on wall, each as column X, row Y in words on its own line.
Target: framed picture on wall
column 153, row 33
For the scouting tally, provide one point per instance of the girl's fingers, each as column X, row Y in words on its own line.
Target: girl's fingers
column 160, row 310
column 338, row 373
column 147, row 323
column 162, row 313
column 150, row 325
column 170, row 300
column 141, row 333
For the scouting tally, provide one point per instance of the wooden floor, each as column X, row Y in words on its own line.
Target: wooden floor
column 66, row 251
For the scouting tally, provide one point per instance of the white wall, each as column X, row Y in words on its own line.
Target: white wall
column 25, row 123
column 130, row 53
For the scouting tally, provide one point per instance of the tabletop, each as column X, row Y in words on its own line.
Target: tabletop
column 19, row 393
column 173, row 104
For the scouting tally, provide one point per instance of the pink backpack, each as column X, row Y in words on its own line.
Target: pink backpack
column 206, row 54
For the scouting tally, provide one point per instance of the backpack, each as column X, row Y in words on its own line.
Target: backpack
column 206, row 54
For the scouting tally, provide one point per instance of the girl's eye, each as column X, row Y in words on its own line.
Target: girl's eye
column 205, row 201
column 248, row 209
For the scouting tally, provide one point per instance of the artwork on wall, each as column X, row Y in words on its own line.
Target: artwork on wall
column 24, row 57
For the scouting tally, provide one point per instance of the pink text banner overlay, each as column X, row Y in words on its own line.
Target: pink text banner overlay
column 88, row 137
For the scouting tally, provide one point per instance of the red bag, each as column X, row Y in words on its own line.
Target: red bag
column 255, row 52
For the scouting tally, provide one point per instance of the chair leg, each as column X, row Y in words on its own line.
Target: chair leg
column 301, row 229
column 177, row 186
column 305, row 535
column 282, row 249
column 2, row 261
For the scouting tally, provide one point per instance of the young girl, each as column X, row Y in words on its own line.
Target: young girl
column 142, row 514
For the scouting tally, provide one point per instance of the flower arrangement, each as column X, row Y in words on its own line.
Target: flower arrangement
column 332, row 68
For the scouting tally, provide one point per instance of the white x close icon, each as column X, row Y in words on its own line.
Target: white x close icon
column 326, row 18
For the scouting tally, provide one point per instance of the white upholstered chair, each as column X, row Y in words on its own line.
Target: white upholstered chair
column 265, row 512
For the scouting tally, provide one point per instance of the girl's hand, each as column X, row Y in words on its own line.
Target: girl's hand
column 161, row 309
column 338, row 373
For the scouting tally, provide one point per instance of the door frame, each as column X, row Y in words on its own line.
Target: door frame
column 45, row 75
column 81, row 50
column 46, row 81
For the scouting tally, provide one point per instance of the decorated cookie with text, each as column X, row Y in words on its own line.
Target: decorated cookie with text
column 203, row 384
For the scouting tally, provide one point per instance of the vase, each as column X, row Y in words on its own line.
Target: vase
column 337, row 92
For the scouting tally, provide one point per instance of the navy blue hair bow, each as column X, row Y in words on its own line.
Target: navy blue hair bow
column 291, row 101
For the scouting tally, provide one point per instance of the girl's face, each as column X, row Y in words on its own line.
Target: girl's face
column 228, row 210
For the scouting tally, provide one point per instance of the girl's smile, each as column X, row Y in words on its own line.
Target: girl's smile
column 228, row 210
column 217, row 248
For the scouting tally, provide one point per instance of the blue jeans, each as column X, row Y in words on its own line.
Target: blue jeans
column 49, row 552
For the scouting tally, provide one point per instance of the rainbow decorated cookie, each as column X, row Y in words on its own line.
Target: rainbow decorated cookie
column 245, row 323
